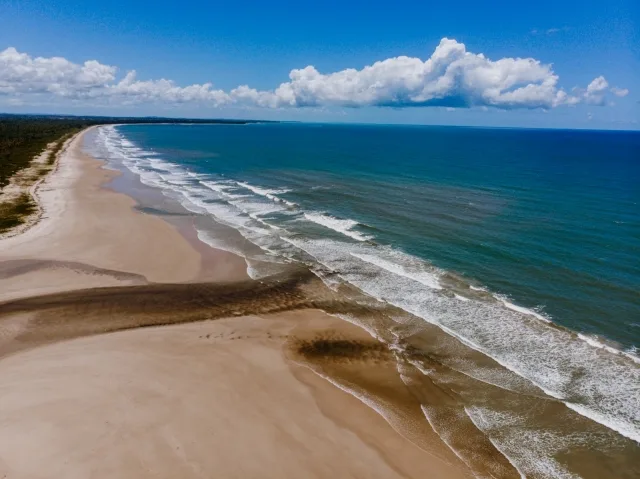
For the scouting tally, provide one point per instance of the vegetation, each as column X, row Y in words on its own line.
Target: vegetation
column 13, row 213
column 53, row 153
column 23, row 137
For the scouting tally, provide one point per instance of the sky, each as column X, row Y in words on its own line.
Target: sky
column 543, row 64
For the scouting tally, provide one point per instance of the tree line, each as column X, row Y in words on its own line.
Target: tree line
column 22, row 137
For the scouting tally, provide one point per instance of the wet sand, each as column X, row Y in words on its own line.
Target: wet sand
column 89, row 236
column 128, row 349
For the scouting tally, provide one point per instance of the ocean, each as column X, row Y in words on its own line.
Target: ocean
column 517, row 250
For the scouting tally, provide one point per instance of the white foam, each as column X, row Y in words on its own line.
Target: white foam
column 521, row 309
column 596, row 342
column 263, row 191
column 633, row 352
column 221, row 187
column 594, row 382
column 255, row 208
column 531, row 452
column 268, row 193
column 341, row 226
column 426, row 278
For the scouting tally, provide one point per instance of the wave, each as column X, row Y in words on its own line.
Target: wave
column 593, row 380
column 599, row 343
column 267, row 193
column 426, row 278
column 341, row 226
column 521, row 309
column 535, row 460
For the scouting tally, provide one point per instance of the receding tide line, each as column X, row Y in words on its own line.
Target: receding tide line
column 427, row 279
column 617, row 405
column 477, row 424
column 341, row 226
column 610, row 420
column 622, row 427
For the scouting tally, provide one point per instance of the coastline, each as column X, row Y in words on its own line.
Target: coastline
column 236, row 396
column 89, row 236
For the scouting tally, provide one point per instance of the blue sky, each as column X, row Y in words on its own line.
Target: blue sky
column 259, row 43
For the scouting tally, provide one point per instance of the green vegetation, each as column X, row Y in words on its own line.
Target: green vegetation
column 13, row 213
column 23, row 137
column 53, row 153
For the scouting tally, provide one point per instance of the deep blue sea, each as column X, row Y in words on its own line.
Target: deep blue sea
column 549, row 218
column 522, row 244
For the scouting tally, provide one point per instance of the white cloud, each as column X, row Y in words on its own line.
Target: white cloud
column 619, row 91
column 451, row 77
column 20, row 73
column 549, row 31
column 596, row 90
column 164, row 91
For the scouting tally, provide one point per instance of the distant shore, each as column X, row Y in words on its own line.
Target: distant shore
column 226, row 383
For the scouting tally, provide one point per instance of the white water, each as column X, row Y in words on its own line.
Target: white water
column 593, row 379
column 346, row 227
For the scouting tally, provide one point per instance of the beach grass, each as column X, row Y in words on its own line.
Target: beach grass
column 55, row 150
column 22, row 140
column 23, row 137
column 14, row 212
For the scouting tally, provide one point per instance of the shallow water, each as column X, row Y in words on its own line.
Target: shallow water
column 491, row 258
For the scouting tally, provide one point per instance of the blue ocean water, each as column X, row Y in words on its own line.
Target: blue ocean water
column 523, row 245
column 549, row 218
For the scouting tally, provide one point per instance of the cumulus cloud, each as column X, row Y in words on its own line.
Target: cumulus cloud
column 621, row 92
column 164, row 91
column 596, row 90
column 21, row 73
column 451, row 77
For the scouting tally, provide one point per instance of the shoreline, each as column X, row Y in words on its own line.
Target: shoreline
column 93, row 235
column 235, row 394
column 27, row 174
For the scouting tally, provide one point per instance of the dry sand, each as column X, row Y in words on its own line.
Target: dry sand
column 90, row 236
column 88, row 389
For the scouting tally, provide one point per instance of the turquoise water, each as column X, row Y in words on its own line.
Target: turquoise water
column 520, row 246
column 549, row 218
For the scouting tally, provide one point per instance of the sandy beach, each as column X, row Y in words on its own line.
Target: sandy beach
column 130, row 349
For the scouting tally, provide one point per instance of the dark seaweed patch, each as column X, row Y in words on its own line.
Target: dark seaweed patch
column 340, row 349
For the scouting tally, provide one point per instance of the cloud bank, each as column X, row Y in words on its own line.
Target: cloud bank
column 450, row 77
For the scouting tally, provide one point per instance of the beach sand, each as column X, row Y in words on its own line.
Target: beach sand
column 89, row 236
column 129, row 349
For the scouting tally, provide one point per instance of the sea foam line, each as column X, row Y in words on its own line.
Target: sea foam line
column 520, row 309
column 525, row 348
column 344, row 227
column 430, row 280
column 267, row 193
column 604, row 391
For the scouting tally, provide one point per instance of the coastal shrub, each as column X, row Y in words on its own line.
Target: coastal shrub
column 22, row 140
column 22, row 137
column 53, row 153
column 13, row 213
